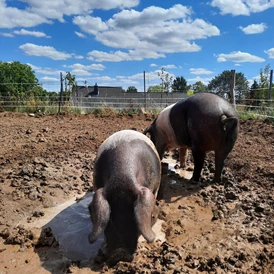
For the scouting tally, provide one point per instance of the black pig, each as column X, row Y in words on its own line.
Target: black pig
column 203, row 122
column 127, row 174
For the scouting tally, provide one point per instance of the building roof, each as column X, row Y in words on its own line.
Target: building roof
column 88, row 91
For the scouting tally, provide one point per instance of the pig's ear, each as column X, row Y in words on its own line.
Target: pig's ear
column 230, row 123
column 99, row 212
column 144, row 208
column 147, row 130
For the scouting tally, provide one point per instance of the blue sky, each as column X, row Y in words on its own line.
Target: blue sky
column 112, row 42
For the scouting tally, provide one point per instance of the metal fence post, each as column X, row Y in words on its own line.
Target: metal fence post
column 270, row 87
column 232, row 87
column 145, row 94
column 61, row 92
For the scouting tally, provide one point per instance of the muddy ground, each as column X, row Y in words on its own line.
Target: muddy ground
column 209, row 228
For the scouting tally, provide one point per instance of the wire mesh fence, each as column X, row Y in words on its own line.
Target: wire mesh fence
column 256, row 108
column 54, row 103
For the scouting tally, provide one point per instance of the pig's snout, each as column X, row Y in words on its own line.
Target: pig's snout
column 119, row 254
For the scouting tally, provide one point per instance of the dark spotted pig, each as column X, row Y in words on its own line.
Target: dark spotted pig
column 203, row 122
column 127, row 174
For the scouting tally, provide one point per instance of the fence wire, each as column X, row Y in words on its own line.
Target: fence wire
column 261, row 108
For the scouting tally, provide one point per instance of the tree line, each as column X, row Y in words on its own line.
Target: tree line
column 220, row 84
column 18, row 83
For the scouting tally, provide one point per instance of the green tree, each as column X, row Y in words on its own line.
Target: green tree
column 221, row 85
column 166, row 80
column 70, row 79
column 132, row 89
column 180, row 85
column 264, row 77
column 199, row 86
column 259, row 90
column 253, row 94
column 53, row 96
column 155, row 88
column 70, row 85
column 16, row 79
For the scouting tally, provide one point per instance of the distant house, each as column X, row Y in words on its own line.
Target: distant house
column 96, row 96
column 91, row 91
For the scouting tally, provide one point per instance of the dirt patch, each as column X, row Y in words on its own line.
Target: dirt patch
column 218, row 228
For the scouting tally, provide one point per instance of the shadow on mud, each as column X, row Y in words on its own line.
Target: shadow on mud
column 64, row 235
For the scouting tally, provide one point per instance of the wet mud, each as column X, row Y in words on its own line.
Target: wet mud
column 46, row 166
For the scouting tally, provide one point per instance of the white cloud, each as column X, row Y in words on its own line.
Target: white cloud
column 239, row 57
column 105, row 79
column 88, row 24
column 142, row 32
column 254, row 28
column 234, row 7
column 257, row 77
column 205, row 81
column 119, row 56
column 89, row 67
column 57, row 9
column 237, row 65
column 76, row 69
column 80, row 72
column 200, row 71
column 270, row 53
column 77, row 56
column 153, row 65
column 152, row 76
column 38, row 12
column 49, row 79
column 46, row 71
column 178, row 35
column 6, row 34
column 13, row 17
column 128, row 19
column 242, row 7
column 84, row 70
column 81, row 35
column 169, row 67
column 31, row 33
column 47, row 51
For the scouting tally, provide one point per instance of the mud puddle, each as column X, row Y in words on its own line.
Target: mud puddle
column 172, row 165
column 70, row 224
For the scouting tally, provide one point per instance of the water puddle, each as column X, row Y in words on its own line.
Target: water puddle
column 185, row 173
column 70, row 224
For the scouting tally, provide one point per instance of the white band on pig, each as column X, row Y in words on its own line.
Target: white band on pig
column 165, row 128
column 125, row 136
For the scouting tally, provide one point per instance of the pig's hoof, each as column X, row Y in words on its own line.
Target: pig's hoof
column 216, row 181
column 118, row 255
column 100, row 257
column 194, row 181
